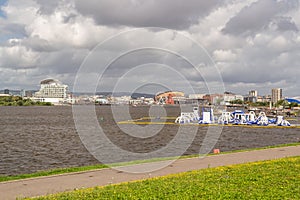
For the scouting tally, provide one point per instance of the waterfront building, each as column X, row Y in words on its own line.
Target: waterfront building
column 214, row 99
column 230, row 97
column 253, row 93
column 29, row 93
column 251, row 99
column 6, row 91
column 196, row 96
column 222, row 99
column 197, row 99
column 123, row 100
column 23, row 93
column 52, row 91
column 252, row 96
column 169, row 97
column 276, row 95
column 264, row 99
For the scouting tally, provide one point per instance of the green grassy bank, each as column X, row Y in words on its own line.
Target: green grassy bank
column 276, row 179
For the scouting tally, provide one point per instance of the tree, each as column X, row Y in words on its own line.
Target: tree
column 237, row 101
column 20, row 103
column 282, row 102
column 293, row 104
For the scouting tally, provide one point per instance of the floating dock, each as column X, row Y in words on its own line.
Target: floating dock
column 170, row 121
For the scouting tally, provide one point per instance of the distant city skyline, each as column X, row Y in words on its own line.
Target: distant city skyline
column 250, row 45
column 245, row 93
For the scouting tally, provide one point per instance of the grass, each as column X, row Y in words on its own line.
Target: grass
column 101, row 166
column 275, row 179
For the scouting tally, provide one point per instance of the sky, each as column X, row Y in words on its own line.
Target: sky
column 192, row 46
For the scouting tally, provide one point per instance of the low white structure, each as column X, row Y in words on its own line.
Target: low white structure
column 5, row 95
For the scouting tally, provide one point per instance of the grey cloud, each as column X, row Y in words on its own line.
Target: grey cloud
column 286, row 24
column 153, row 13
column 69, row 18
column 258, row 15
column 61, row 62
column 259, row 69
column 38, row 44
column 46, row 6
column 157, row 67
column 12, row 30
column 145, row 56
column 256, row 73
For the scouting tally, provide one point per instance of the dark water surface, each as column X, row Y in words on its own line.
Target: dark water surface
column 39, row 138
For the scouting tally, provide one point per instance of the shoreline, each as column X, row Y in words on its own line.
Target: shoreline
column 91, row 168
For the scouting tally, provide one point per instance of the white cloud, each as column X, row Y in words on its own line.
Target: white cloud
column 65, row 27
column 154, row 13
column 20, row 11
column 224, row 55
column 17, row 57
column 279, row 43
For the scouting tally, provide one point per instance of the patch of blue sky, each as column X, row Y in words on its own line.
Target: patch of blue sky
column 6, row 36
column 2, row 3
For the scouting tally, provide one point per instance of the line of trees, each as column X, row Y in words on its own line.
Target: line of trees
column 282, row 102
column 19, row 101
column 286, row 104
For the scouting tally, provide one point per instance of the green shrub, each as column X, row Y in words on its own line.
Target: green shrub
column 19, row 101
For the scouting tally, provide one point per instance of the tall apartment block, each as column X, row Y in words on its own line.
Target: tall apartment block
column 276, row 94
column 253, row 93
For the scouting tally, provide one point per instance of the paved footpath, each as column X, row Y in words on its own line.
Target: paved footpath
column 58, row 183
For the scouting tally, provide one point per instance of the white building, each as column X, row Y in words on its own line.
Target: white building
column 196, row 96
column 52, row 91
column 121, row 100
column 276, row 94
column 225, row 99
column 253, row 93
column 228, row 98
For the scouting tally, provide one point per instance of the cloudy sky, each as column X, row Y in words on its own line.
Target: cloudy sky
column 200, row 46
